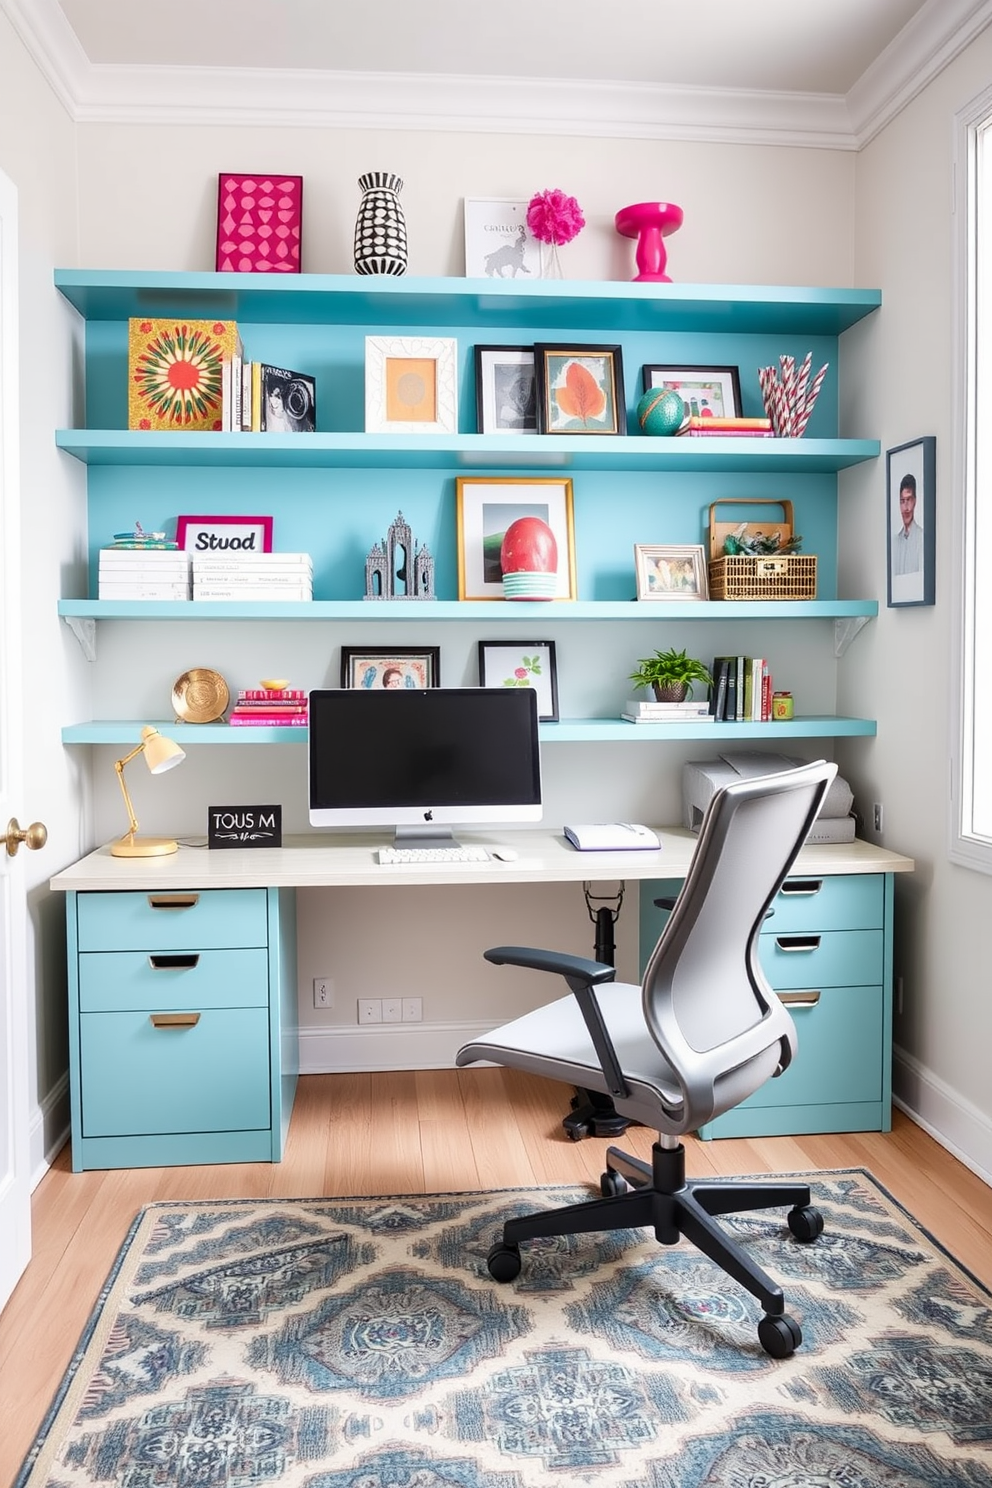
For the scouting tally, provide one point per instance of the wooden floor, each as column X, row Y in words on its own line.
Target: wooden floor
column 410, row 1132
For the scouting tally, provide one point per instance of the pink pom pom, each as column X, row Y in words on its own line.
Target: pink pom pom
column 554, row 217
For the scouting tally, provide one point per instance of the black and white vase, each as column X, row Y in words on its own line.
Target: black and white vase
column 380, row 231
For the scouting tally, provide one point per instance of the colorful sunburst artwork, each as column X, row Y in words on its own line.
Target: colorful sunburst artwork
column 174, row 372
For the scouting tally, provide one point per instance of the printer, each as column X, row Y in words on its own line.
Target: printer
column 700, row 778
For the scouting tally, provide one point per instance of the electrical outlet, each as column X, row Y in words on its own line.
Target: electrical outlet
column 323, row 992
column 413, row 1009
column 392, row 1010
column 878, row 816
column 370, row 1010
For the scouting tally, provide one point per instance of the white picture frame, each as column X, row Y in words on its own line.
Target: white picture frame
column 410, row 385
column 498, row 242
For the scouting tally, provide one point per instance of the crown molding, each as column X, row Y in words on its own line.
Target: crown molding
column 923, row 48
column 99, row 93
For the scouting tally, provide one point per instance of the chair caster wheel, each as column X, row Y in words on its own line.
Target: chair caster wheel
column 504, row 1262
column 779, row 1336
column 612, row 1184
column 806, row 1224
column 576, row 1132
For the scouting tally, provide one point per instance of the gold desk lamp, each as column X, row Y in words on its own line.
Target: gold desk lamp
column 160, row 755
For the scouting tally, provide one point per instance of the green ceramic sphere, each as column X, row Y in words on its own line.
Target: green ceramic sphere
column 660, row 411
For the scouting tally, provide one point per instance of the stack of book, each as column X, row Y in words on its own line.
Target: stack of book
column 254, row 576
column 132, row 572
column 262, row 399
column 636, row 710
column 270, row 707
column 748, row 428
column 742, row 689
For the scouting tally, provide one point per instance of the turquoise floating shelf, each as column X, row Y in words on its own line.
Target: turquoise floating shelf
column 492, row 612
column 568, row 731
column 340, row 299
column 460, row 452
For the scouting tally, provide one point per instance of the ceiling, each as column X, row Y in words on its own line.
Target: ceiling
column 817, row 71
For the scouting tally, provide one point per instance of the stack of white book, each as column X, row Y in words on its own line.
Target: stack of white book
column 637, row 710
column 254, row 576
column 144, row 573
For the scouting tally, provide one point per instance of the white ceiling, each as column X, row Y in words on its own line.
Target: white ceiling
column 817, row 72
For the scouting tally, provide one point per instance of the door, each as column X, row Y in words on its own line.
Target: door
column 15, row 1192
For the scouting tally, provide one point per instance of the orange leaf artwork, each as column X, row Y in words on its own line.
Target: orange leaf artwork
column 582, row 397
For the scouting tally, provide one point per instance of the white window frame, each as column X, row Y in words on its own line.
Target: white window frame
column 971, row 760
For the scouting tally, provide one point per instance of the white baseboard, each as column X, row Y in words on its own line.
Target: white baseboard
column 384, row 1046
column 952, row 1121
column 48, row 1129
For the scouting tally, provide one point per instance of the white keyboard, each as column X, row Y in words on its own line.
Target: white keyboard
column 391, row 855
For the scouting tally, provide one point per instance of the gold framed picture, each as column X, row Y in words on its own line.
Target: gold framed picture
column 538, row 508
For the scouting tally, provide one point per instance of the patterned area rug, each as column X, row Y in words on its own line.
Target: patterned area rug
column 360, row 1343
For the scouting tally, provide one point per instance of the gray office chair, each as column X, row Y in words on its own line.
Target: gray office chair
column 700, row 1034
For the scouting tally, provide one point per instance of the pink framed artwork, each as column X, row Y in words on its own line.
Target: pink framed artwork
column 259, row 223
column 224, row 534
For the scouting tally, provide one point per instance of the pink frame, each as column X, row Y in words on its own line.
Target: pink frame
column 188, row 527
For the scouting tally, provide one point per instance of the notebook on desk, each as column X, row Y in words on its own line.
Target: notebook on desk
column 612, row 837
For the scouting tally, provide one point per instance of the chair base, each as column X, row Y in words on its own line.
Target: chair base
column 593, row 1115
column 663, row 1199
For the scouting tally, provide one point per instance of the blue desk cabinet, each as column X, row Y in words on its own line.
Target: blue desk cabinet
column 183, row 1031
column 827, row 952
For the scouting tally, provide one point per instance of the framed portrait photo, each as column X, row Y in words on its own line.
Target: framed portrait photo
column 498, row 242
column 505, row 392
column 392, row 669
column 224, row 534
column 580, row 390
column 523, row 664
column 911, row 503
column 488, row 505
column 410, row 385
column 671, row 571
column 704, row 390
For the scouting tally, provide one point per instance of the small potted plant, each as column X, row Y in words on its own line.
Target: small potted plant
column 670, row 675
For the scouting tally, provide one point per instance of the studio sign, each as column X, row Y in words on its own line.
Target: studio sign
column 244, row 826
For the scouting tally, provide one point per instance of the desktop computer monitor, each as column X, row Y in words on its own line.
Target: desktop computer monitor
column 422, row 760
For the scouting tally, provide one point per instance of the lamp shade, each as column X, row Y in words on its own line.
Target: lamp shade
column 160, row 753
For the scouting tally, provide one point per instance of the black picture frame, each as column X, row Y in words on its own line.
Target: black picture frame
column 604, row 365
column 505, row 390
column 523, row 664
column 725, row 383
column 373, row 666
column 911, row 546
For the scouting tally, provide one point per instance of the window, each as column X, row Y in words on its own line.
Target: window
column 971, row 820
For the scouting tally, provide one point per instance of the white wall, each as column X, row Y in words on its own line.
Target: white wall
column 900, row 390
column 37, row 151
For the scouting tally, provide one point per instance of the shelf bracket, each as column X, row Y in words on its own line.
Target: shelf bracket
column 83, row 628
column 845, row 629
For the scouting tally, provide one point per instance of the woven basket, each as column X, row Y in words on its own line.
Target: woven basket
column 791, row 576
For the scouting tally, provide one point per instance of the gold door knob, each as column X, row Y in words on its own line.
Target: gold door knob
column 33, row 837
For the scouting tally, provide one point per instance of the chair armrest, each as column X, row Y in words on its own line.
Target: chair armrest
column 582, row 975
column 573, row 968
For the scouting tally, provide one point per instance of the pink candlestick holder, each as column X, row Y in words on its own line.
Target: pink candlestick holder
column 650, row 223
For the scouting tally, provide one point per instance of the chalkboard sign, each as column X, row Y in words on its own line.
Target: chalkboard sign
column 244, row 826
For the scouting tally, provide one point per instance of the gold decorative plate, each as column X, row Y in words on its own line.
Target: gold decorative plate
column 199, row 696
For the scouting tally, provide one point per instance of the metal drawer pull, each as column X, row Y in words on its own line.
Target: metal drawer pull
column 798, row 999
column 801, row 887
column 173, row 901
column 797, row 942
column 174, row 1020
column 184, row 962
